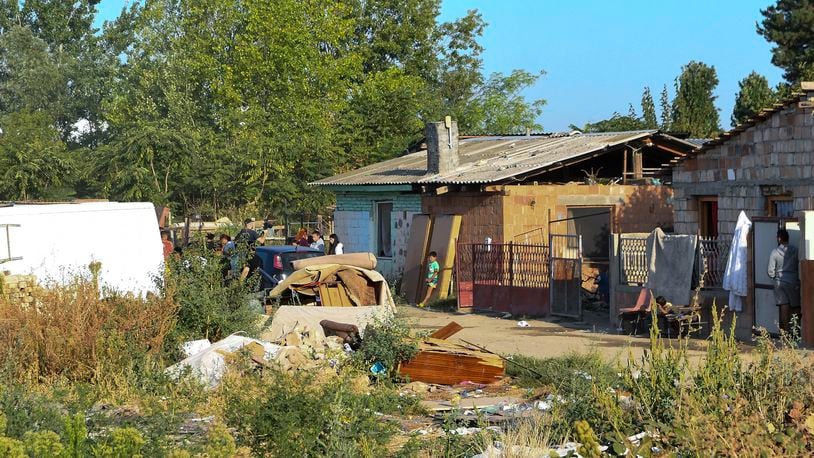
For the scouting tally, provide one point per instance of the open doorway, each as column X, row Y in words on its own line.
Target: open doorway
column 764, row 241
column 593, row 224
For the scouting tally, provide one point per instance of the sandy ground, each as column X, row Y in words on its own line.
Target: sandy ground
column 544, row 338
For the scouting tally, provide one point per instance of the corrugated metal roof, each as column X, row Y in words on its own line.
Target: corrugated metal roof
column 487, row 159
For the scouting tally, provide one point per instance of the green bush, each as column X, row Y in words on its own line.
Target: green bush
column 42, row 443
column 388, row 342
column 11, row 448
column 300, row 415
column 208, row 308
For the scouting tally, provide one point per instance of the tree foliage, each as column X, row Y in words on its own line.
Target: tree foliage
column 694, row 109
column 649, row 110
column 789, row 24
column 754, row 94
column 204, row 105
column 666, row 119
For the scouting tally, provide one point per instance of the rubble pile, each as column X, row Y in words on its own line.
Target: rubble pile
column 18, row 288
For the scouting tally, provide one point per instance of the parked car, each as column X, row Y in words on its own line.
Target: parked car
column 277, row 262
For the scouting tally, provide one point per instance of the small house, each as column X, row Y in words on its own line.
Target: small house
column 512, row 188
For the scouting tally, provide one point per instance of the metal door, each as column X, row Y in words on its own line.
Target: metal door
column 565, row 270
column 764, row 241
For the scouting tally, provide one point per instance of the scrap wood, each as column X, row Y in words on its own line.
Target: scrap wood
column 469, row 403
column 445, row 363
column 509, row 360
column 447, row 331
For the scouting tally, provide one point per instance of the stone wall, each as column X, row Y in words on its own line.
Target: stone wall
column 772, row 158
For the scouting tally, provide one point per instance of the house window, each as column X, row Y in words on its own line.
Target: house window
column 781, row 206
column 384, row 241
column 708, row 216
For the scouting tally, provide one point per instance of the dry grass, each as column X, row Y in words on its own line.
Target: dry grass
column 70, row 331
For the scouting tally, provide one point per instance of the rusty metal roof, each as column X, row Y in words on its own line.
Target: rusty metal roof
column 485, row 160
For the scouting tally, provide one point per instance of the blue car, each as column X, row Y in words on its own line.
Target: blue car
column 277, row 262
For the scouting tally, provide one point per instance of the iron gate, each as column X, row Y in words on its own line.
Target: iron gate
column 565, row 267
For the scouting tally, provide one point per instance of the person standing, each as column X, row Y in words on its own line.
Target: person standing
column 784, row 271
column 318, row 243
column 432, row 277
column 336, row 246
column 168, row 246
column 247, row 234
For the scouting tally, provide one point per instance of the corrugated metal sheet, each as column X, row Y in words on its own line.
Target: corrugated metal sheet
column 486, row 159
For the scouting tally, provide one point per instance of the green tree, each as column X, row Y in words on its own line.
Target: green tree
column 500, row 108
column 694, row 109
column 789, row 24
column 754, row 94
column 616, row 123
column 649, row 110
column 32, row 156
column 666, row 110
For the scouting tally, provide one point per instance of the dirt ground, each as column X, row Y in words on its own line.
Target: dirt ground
column 543, row 338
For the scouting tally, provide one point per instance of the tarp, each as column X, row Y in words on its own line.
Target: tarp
column 56, row 240
column 287, row 317
column 363, row 260
column 670, row 262
column 330, row 272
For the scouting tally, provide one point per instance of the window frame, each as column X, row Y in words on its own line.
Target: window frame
column 377, row 228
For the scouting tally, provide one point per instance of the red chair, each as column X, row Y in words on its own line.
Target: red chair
column 638, row 312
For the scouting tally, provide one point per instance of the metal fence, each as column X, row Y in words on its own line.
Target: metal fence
column 633, row 260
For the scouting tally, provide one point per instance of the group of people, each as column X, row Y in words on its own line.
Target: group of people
column 316, row 242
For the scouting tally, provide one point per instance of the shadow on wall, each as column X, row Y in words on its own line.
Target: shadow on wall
column 645, row 209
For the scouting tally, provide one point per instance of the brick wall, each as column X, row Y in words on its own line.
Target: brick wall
column 771, row 158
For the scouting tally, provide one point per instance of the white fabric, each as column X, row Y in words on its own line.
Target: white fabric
column 735, row 280
column 340, row 249
column 58, row 240
column 209, row 365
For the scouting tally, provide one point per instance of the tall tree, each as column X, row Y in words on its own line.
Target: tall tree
column 694, row 109
column 500, row 108
column 789, row 24
column 666, row 110
column 616, row 123
column 649, row 110
column 753, row 95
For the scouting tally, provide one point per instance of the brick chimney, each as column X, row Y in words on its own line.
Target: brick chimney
column 442, row 146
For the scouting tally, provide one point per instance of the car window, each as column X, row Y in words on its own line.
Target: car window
column 288, row 257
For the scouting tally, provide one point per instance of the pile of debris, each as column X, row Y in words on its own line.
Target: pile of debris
column 442, row 362
column 18, row 288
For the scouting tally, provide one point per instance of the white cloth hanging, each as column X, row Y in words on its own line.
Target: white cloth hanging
column 735, row 280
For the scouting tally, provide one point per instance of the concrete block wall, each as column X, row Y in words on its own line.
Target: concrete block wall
column 355, row 224
column 635, row 208
column 774, row 157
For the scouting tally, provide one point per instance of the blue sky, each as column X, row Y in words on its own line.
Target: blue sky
column 599, row 54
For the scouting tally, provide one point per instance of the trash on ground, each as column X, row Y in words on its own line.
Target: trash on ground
column 523, row 324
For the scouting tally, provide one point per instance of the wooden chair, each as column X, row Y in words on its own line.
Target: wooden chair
column 638, row 312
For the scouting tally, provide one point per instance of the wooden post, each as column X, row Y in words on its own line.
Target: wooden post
column 624, row 165
column 511, row 263
column 638, row 172
column 807, row 302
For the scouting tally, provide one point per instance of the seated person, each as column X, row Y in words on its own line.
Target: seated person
column 664, row 307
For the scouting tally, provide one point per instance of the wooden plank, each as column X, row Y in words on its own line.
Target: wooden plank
column 445, row 231
column 417, row 246
column 447, row 331
column 807, row 302
column 469, row 403
column 445, row 363
column 344, row 300
column 324, row 295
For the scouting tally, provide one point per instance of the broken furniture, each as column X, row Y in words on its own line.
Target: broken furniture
column 336, row 285
column 349, row 333
column 441, row 362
